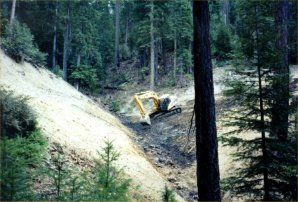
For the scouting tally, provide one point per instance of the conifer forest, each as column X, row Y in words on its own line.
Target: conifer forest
column 148, row 100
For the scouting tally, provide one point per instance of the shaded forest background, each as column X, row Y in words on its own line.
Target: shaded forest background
column 85, row 41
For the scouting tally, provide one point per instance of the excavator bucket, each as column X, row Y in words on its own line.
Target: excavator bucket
column 146, row 120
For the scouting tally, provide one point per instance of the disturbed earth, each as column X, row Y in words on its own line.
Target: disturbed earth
column 165, row 143
column 170, row 145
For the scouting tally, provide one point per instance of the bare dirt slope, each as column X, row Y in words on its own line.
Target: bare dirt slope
column 75, row 122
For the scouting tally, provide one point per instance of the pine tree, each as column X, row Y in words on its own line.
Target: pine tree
column 268, row 164
column 109, row 184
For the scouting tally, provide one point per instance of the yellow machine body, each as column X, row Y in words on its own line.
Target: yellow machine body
column 161, row 104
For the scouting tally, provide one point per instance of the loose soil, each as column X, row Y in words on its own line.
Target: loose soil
column 77, row 126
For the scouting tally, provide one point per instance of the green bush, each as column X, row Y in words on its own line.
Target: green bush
column 21, row 148
column 17, row 117
column 222, row 42
column 124, row 77
column 18, row 43
column 86, row 76
column 115, row 106
column 186, row 59
column 57, row 71
column 125, row 52
column 168, row 195
column 18, row 158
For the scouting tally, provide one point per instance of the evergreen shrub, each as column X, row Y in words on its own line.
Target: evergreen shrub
column 17, row 117
column 18, row 44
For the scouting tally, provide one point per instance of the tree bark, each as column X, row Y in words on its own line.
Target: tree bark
column 77, row 84
column 206, row 135
column 117, row 32
column 55, row 37
column 164, row 53
column 66, row 45
column 126, row 31
column 190, row 48
column 225, row 11
column 280, row 108
column 13, row 10
column 175, row 57
column 156, row 64
column 152, row 69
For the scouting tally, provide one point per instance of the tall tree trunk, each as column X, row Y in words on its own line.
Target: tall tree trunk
column 164, row 53
column 206, row 135
column 126, row 31
column 66, row 44
column 280, row 108
column 156, row 64
column 225, row 11
column 1, row 127
column 55, row 37
column 117, row 32
column 190, row 68
column 152, row 69
column 13, row 10
column 175, row 57
column 263, row 143
column 77, row 84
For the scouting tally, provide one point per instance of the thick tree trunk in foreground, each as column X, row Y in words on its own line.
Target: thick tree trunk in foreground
column 280, row 109
column 13, row 10
column 206, row 137
column 152, row 69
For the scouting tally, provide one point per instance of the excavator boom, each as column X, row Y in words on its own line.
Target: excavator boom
column 146, row 95
column 162, row 105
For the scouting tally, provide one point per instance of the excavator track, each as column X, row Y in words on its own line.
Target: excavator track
column 173, row 111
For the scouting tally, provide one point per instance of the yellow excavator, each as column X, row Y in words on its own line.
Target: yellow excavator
column 161, row 105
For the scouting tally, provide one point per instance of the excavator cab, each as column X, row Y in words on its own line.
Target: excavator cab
column 161, row 105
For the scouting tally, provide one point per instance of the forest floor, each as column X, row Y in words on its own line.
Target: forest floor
column 169, row 142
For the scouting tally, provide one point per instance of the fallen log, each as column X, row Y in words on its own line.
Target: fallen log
column 113, row 88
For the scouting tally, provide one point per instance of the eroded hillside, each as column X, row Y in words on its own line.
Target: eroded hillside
column 77, row 124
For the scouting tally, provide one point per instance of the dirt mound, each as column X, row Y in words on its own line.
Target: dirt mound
column 77, row 123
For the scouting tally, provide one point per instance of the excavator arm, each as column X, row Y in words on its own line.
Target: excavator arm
column 162, row 105
column 146, row 95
